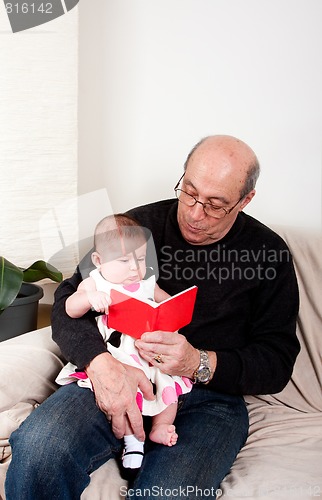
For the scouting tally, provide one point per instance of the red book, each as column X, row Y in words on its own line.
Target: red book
column 133, row 316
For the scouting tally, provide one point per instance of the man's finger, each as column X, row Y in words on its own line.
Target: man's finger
column 146, row 388
column 136, row 422
column 159, row 337
column 118, row 426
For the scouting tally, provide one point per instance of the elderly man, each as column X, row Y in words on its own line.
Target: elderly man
column 240, row 341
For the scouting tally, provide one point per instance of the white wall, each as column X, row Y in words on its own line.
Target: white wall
column 156, row 76
column 38, row 131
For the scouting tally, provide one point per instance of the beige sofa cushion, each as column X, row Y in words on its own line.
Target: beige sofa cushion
column 28, row 364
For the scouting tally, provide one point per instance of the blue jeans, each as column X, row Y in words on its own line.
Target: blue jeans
column 67, row 437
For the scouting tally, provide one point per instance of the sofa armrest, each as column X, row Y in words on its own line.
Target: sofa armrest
column 29, row 364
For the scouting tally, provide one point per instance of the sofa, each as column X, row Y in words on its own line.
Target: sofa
column 282, row 458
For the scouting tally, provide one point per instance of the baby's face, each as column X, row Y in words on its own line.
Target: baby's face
column 127, row 269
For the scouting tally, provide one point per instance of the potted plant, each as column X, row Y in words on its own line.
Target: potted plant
column 19, row 297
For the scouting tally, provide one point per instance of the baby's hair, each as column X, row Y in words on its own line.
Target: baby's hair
column 118, row 235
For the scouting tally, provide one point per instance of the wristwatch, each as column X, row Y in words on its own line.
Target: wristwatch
column 202, row 373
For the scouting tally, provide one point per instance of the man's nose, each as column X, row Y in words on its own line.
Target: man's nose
column 197, row 212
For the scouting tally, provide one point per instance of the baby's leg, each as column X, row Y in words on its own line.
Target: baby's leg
column 163, row 431
column 133, row 450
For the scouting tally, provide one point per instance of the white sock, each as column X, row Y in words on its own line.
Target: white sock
column 133, row 452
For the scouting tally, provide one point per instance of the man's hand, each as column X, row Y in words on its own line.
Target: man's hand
column 115, row 387
column 178, row 357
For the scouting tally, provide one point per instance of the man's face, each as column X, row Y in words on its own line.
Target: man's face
column 216, row 178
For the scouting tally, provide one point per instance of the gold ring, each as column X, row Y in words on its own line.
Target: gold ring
column 158, row 358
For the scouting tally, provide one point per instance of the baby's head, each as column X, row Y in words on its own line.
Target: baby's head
column 120, row 249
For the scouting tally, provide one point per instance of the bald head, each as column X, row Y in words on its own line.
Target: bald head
column 233, row 156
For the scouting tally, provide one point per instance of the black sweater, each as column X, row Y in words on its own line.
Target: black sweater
column 246, row 308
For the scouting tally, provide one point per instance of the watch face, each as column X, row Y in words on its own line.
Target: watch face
column 203, row 374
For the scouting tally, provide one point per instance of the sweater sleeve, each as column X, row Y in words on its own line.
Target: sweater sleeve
column 78, row 339
column 265, row 364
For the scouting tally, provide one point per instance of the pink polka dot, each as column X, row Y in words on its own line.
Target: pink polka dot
column 139, row 400
column 132, row 287
column 104, row 320
column 169, row 395
column 178, row 388
column 79, row 375
column 136, row 359
column 187, row 382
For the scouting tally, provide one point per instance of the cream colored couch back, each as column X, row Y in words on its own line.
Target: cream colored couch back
column 304, row 391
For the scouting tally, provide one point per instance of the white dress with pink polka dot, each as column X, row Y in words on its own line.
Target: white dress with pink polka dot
column 167, row 387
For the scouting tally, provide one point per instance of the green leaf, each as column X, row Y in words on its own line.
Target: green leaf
column 11, row 278
column 10, row 282
column 40, row 270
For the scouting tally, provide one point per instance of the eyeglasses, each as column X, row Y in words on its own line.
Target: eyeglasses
column 209, row 209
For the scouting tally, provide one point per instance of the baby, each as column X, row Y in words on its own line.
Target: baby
column 120, row 260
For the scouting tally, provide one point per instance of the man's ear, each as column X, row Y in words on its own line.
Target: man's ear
column 248, row 198
column 96, row 259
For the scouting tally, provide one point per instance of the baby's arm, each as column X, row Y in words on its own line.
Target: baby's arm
column 85, row 298
column 159, row 294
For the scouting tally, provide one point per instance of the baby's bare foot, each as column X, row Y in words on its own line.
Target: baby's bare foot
column 164, row 434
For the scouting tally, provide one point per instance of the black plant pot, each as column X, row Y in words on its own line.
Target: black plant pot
column 21, row 316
